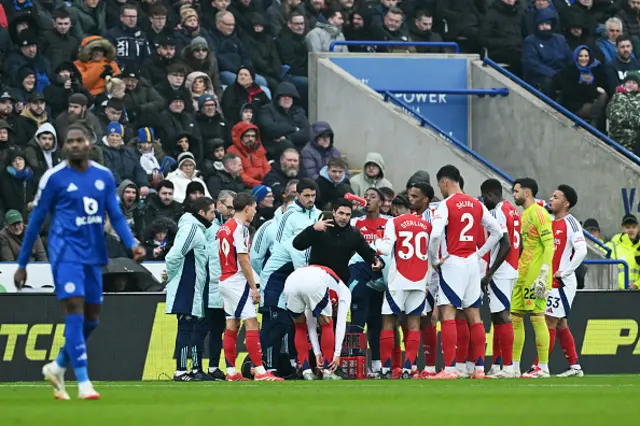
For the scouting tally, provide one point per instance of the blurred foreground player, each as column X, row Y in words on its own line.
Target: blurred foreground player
column 77, row 194
column 309, row 292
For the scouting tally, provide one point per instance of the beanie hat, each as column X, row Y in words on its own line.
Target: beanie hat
column 24, row 72
column 186, row 13
column 195, row 186
column 199, row 42
column 115, row 127
column 260, row 192
column 206, row 98
column 186, row 156
column 78, row 99
column 116, row 104
column 632, row 76
column 251, row 71
column 27, row 38
column 146, row 135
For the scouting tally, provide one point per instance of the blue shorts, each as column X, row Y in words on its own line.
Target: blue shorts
column 77, row 280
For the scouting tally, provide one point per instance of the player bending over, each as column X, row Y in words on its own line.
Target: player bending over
column 237, row 284
column 308, row 293
column 463, row 217
column 534, row 277
column 499, row 281
column 76, row 193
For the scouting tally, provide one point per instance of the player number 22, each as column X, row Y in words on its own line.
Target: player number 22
column 468, row 218
column 414, row 245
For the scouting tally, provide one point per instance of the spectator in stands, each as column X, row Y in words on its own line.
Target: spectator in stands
column 158, row 30
column 319, row 39
column 11, row 238
column 288, row 168
column 421, row 30
column 463, row 20
column 531, row 14
column 544, row 54
column 628, row 14
column 607, row 44
column 88, row 18
column 173, row 85
column 27, row 78
column 19, row 134
column 626, row 246
column 195, row 190
column 577, row 30
column 247, row 145
column 198, row 84
column 592, row 226
column 624, row 62
column 17, row 184
column 385, row 207
column 96, row 60
column 501, row 33
column 27, row 55
column 198, row 57
column 123, row 160
column 141, row 100
column 332, row 183
column 211, row 123
column 156, row 67
column 113, row 111
column 313, row 12
column 150, row 155
column 242, row 11
column 57, row 44
column 114, row 88
column 66, row 82
column 185, row 142
column 14, row 9
column 212, row 159
column 209, row 10
column 36, row 111
column 263, row 51
column 77, row 110
column 158, row 238
column 317, row 153
column 184, row 175
column 161, row 204
column 131, row 206
column 190, row 28
column 582, row 87
column 278, row 13
column 283, row 122
column 293, row 52
column 372, row 175
column 243, row 91
column 391, row 30
column 377, row 10
column 41, row 153
column 132, row 47
column 264, row 205
column 6, row 145
column 357, row 30
column 175, row 120
column 623, row 113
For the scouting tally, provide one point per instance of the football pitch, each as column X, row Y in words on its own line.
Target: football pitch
column 595, row 400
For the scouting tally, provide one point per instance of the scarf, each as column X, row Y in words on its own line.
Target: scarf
column 25, row 174
column 252, row 91
column 586, row 71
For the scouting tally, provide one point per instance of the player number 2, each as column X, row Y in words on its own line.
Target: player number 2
column 468, row 218
column 413, row 244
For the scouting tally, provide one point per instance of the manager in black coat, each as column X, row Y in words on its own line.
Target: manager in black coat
column 333, row 242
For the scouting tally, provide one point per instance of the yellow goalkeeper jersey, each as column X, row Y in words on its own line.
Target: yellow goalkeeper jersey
column 537, row 245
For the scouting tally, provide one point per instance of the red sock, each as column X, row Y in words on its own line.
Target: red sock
column 478, row 342
column 302, row 345
column 552, row 339
column 327, row 342
column 254, row 348
column 462, row 343
column 568, row 345
column 230, row 348
column 429, row 344
column 506, row 343
column 449, row 338
column 497, row 355
column 386, row 347
column 396, row 357
column 411, row 345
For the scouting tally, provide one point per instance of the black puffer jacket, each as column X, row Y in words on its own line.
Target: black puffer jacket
column 501, row 29
column 170, row 124
column 235, row 96
column 293, row 51
column 154, row 209
column 262, row 49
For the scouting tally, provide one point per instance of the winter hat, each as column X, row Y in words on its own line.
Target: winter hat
column 186, row 13
column 206, row 98
column 199, row 42
column 146, row 135
column 260, row 192
column 116, row 104
column 131, row 72
column 24, row 72
column 421, row 176
column 216, row 142
column 591, row 224
column 251, row 71
column 27, row 38
column 115, row 127
column 65, row 66
column 78, row 99
column 632, row 76
column 177, row 96
column 194, row 186
column 186, row 156
column 177, row 68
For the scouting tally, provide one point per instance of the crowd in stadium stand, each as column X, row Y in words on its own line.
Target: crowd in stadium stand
column 189, row 98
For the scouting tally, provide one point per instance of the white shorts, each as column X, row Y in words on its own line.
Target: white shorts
column 559, row 300
column 460, row 282
column 236, row 298
column 500, row 294
column 432, row 294
column 304, row 291
column 409, row 301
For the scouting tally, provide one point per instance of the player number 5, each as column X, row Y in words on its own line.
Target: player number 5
column 516, row 235
column 468, row 218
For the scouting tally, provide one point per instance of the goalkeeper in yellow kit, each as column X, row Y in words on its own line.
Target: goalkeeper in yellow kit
column 534, row 277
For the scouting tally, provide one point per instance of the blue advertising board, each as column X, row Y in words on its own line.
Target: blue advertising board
column 449, row 112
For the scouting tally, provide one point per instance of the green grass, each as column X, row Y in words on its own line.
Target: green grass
column 596, row 400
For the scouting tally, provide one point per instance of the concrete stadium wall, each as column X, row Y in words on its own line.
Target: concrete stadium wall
column 363, row 123
column 523, row 136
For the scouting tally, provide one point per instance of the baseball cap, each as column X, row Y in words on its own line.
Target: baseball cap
column 131, row 72
column 35, row 97
column 78, row 99
column 629, row 219
column 6, row 95
column 12, row 217
column 204, row 99
column 591, row 223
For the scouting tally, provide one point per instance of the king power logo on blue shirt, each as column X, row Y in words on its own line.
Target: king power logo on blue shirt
column 449, row 112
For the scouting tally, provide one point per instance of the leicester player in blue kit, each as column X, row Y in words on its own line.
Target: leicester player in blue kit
column 76, row 193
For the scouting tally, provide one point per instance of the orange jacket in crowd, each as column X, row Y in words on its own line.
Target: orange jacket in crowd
column 255, row 165
column 92, row 70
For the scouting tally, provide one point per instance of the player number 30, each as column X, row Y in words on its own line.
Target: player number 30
column 414, row 245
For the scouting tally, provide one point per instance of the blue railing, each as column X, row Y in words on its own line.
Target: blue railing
column 598, row 243
column 501, row 91
column 577, row 120
column 447, row 44
column 624, row 264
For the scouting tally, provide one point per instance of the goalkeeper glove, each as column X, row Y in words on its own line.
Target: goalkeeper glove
column 540, row 285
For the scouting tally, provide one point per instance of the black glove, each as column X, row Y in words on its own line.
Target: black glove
column 108, row 70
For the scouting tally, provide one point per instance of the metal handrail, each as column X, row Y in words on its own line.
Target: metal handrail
column 577, row 120
column 624, row 264
column 500, row 91
column 598, row 243
column 395, row 43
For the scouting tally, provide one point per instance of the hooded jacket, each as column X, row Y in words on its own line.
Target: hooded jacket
column 236, row 96
column 87, row 21
column 254, row 160
column 186, row 265
column 262, row 48
column 328, row 190
column 544, row 55
column 132, row 213
column 181, row 181
column 576, row 91
column 154, row 208
column 208, row 86
column 313, row 156
column 92, row 71
column 320, row 38
column 15, row 60
column 38, row 159
column 293, row 51
column 124, row 164
column 17, row 190
column 501, row 28
column 230, row 51
column 623, row 113
column 361, row 182
column 209, row 66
